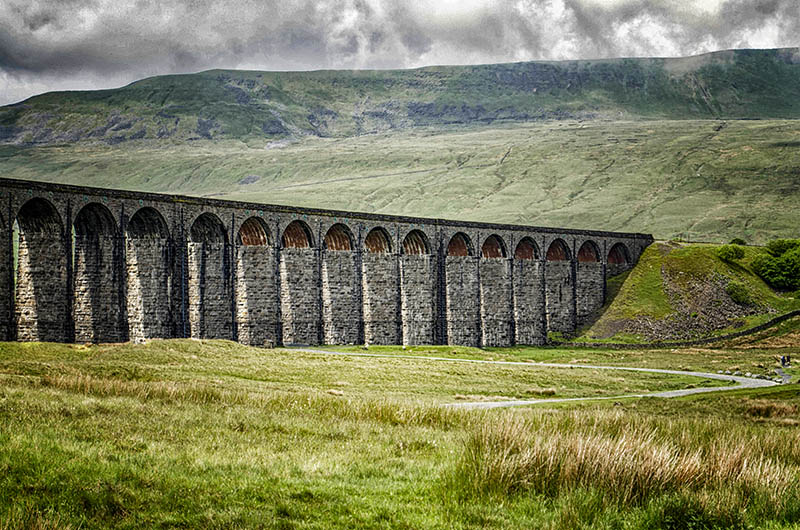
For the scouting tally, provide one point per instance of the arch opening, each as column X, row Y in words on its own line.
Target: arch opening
column 297, row 235
column 378, row 242
column 526, row 250
column 338, row 237
column 416, row 243
column 147, row 223
column 208, row 228
column 459, row 245
column 618, row 255
column 38, row 216
column 94, row 219
column 253, row 233
column 493, row 247
column 558, row 251
column 588, row 253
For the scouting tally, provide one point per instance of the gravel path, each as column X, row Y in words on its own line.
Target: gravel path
column 741, row 382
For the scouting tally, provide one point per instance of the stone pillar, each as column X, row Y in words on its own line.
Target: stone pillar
column 340, row 300
column 417, row 293
column 463, row 310
column 256, row 295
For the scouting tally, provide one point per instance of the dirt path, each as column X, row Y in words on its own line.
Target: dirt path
column 741, row 382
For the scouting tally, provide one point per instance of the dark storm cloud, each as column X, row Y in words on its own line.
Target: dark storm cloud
column 92, row 43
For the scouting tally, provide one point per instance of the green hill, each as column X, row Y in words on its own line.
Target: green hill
column 643, row 145
column 225, row 104
column 682, row 291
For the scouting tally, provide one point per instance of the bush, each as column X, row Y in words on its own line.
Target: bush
column 738, row 241
column 782, row 271
column 738, row 293
column 730, row 252
column 779, row 247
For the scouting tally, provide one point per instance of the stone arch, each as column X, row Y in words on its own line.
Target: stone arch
column 526, row 250
column 209, row 279
column 459, row 245
column 493, row 247
column 588, row 253
column 208, row 228
column 558, row 251
column 297, row 234
column 41, row 286
column 148, row 275
column 619, row 255
column 378, row 241
column 147, row 223
column 338, row 237
column 416, row 243
column 254, row 232
column 98, row 276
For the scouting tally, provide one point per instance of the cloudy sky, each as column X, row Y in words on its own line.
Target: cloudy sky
column 78, row 44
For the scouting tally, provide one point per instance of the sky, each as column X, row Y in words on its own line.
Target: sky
column 91, row 44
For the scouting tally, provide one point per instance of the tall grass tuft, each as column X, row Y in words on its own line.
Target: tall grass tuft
column 632, row 464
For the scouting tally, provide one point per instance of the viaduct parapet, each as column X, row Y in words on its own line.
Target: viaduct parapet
column 94, row 265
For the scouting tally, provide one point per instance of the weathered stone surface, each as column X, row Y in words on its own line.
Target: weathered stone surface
column 97, row 310
column 560, row 304
column 5, row 295
column 418, row 298
column 381, row 299
column 209, row 291
column 340, row 311
column 256, row 296
column 149, row 284
column 41, row 310
column 590, row 290
column 463, row 301
column 528, row 302
column 300, row 309
column 496, row 303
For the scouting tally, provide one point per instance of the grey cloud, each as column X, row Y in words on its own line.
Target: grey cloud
column 67, row 43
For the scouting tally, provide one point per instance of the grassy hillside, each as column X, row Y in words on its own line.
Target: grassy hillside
column 252, row 106
column 211, row 434
column 681, row 291
column 715, row 180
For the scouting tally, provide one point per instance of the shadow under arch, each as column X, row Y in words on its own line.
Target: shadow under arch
column 297, row 234
column 589, row 252
column 41, row 310
column 416, row 243
column 459, row 245
column 493, row 247
column 149, row 265
column 339, row 238
column 97, row 307
column 526, row 250
column 254, row 232
column 378, row 241
column 209, row 279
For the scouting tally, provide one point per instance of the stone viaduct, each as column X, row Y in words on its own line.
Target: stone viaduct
column 94, row 265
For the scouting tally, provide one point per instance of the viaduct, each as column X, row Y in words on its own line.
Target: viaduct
column 94, row 265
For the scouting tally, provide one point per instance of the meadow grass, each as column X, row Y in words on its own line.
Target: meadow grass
column 185, row 433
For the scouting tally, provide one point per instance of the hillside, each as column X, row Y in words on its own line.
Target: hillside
column 681, row 291
column 253, row 106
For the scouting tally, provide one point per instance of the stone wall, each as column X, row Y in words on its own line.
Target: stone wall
column 209, row 291
column 560, row 304
column 149, row 284
column 41, row 309
column 529, row 302
column 300, row 296
column 418, row 292
column 496, row 303
column 463, row 301
column 5, row 294
column 590, row 290
column 96, row 309
column 381, row 299
column 256, row 295
column 340, row 312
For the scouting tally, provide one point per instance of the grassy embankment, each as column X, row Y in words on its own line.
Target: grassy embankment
column 184, row 433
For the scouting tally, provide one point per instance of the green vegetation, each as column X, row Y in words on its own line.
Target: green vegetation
column 781, row 267
column 213, row 434
column 681, row 291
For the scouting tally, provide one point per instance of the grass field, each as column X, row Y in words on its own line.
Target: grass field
column 708, row 180
column 187, row 433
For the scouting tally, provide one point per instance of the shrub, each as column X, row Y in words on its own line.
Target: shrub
column 738, row 293
column 781, row 271
column 730, row 252
column 738, row 241
column 779, row 247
